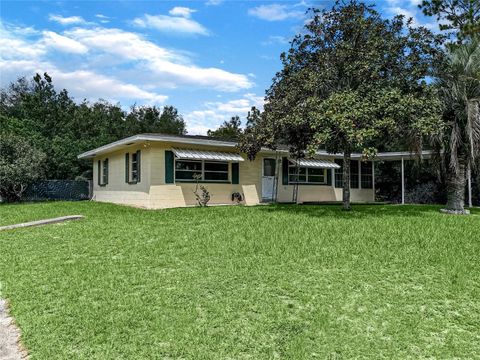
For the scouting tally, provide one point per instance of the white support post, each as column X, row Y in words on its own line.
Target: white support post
column 359, row 174
column 373, row 179
column 403, row 182
column 333, row 177
column 469, row 181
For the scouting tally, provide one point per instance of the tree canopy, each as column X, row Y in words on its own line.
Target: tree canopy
column 347, row 80
column 61, row 128
column 460, row 18
column 229, row 130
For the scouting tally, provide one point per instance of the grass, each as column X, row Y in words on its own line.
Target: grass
column 287, row 282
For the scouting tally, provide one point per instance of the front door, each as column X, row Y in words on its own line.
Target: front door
column 268, row 178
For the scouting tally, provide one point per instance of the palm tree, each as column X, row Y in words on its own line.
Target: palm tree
column 459, row 140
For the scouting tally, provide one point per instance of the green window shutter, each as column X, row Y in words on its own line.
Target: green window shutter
column 169, row 171
column 235, row 173
column 106, row 171
column 139, row 169
column 329, row 177
column 99, row 172
column 284, row 171
column 127, row 167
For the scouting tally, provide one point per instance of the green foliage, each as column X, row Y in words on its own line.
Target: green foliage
column 458, row 143
column 202, row 195
column 461, row 17
column 350, row 80
column 229, row 130
column 20, row 165
column 62, row 129
column 237, row 282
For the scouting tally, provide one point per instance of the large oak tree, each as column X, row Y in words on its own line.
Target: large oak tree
column 350, row 78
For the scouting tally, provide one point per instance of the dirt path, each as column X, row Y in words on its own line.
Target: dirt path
column 9, row 336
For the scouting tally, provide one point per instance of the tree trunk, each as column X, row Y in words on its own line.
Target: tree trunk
column 346, row 181
column 456, row 189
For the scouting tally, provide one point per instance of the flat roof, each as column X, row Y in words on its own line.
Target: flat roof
column 208, row 141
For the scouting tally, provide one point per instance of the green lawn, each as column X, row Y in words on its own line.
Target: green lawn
column 286, row 282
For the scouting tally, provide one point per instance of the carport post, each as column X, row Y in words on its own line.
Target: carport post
column 333, row 177
column 403, row 182
column 469, row 181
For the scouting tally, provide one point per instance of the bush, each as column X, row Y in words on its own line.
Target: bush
column 424, row 193
column 20, row 165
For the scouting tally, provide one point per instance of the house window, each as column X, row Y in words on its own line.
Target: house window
column 306, row 175
column 102, row 172
column 367, row 175
column 134, row 173
column 339, row 174
column 353, row 174
column 207, row 170
column 132, row 167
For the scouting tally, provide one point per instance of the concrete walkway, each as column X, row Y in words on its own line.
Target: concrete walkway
column 9, row 336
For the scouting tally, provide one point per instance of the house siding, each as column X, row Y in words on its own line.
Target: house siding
column 118, row 190
column 153, row 193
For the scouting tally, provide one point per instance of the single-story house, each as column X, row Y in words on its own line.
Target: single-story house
column 156, row 171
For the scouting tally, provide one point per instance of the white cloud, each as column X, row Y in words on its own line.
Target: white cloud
column 213, row 114
column 181, row 11
column 124, row 44
column 69, row 20
column 63, row 43
column 164, row 67
column 14, row 48
column 275, row 12
column 102, row 18
column 213, row 2
column 171, row 24
column 410, row 13
column 275, row 39
column 81, row 83
column 112, row 64
column 93, row 86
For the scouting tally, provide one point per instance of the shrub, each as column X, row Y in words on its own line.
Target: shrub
column 20, row 165
column 201, row 193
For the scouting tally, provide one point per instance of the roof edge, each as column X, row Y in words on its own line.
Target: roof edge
column 394, row 155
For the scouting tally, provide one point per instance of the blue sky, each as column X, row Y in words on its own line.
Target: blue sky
column 211, row 59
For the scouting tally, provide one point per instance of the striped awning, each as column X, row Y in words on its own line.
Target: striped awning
column 186, row 154
column 315, row 163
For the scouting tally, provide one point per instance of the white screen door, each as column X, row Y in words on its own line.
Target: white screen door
column 268, row 178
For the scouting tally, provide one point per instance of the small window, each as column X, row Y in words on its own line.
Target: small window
column 339, row 174
column 185, row 170
column 134, row 174
column 132, row 167
column 367, row 175
column 354, row 174
column 216, row 171
column 102, row 172
column 268, row 167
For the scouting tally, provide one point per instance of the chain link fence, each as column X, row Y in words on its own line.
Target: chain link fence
column 58, row 190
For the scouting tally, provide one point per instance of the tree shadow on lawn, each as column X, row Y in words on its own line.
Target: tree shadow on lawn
column 359, row 211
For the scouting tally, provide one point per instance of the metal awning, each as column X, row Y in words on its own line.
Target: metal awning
column 186, row 154
column 315, row 163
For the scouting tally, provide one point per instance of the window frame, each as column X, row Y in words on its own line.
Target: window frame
column 354, row 176
column 133, row 178
column 202, row 171
column 366, row 178
column 307, row 176
column 129, row 179
column 102, row 168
